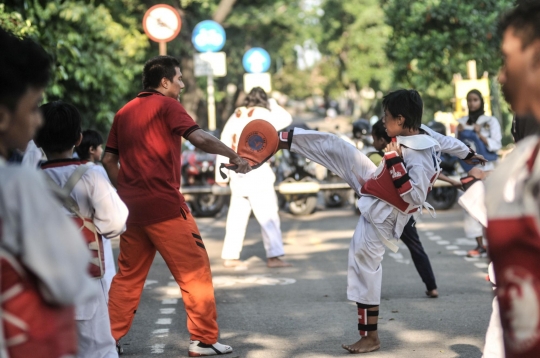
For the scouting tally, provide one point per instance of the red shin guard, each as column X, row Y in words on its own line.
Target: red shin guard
column 363, row 314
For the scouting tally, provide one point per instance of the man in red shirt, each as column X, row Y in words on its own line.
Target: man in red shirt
column 145, row 139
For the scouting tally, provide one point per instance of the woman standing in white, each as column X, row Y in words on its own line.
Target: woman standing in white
column 254, row 190
column 483, row 134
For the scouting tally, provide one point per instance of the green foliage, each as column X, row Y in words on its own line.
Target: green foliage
column 14, row 22
column 353, row 37
column 433, row 39
column 96, row 58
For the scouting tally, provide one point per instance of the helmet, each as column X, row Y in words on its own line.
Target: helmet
column 437, row 127
column 361, row 127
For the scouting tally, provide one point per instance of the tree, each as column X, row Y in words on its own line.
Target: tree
column 97, row 59
column 433, row 39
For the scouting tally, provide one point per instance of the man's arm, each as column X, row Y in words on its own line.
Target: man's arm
column 110, row 162
column 211, row 144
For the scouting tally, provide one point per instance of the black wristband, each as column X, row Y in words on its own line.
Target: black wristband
column 470, row 155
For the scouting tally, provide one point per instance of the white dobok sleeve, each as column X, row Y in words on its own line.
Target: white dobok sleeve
column 495, row 136
column 419, row 165
column 110, row 212
column 46, row 240
column 280, row 117
column 448, row 144
column 227, row 139
column 335, row 154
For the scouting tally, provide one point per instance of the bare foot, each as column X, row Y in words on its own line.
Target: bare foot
column 364, row 345
column 276, row 262
column 433, row 293
column 234, row 263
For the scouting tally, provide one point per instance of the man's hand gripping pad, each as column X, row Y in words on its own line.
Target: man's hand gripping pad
column 258, row 143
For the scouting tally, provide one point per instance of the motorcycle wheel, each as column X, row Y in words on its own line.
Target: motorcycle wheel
column 303, row 206
column 207, row 205
column 442, row 198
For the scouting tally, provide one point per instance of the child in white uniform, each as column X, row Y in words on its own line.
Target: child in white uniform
column 388, row 196
column 96, row 200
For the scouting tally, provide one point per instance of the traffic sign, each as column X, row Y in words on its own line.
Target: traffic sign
column 262, row 80
column 256, row 60
column 210, row 64
column 162, row 23
column 208, row 36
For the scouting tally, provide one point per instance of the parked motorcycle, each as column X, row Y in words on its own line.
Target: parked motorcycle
column 198, row 169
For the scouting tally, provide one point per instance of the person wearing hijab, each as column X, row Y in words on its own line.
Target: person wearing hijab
column 483, row 134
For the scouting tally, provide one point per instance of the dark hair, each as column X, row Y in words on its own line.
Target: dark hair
column 257, row 97
column 407, row 103
column 158, row 67
column 61, row 127
column 524, row 19
column 379, row 131
column 23, row 64
column 90, row 138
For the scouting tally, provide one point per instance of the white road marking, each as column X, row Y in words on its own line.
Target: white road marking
column 460, row 252
column 169, row 301
column 465, row 242
column 167, row 310
column 149, row 282
column 396, row 255
column 481, row 265
column 443, row 242
column 158, row 348
column 434, row 238
column 471, row 259
column 452, row 247
column 429, row 233
column 164, row 321
column 161, row 333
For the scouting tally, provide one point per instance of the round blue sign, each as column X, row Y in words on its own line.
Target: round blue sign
column 256, row 60
column 208, row 36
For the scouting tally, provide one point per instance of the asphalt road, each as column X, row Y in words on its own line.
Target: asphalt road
column 303, row 311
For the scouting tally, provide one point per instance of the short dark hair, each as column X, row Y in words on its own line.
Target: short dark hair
column 407, row 103
column 257, row 97
column 158, row 67
column 379, row 131
column 61, row 127
column 23, row 64
column 524, row 19
column 90, row 138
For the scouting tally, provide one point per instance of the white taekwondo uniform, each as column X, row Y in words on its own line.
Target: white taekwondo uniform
column 36, row 230
column 97, row 200
column 254, row 190
column 380, row 223
column 491, row 130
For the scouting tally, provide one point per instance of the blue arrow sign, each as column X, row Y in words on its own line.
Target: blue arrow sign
column 256, row 60
column 208, row 36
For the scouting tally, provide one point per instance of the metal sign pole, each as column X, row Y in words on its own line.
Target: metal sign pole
column 162, row 48
column 211, row 102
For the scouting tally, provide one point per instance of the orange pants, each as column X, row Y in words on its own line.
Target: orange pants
column 179, row 242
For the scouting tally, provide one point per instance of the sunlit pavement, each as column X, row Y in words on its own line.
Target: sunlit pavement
column 302, row 311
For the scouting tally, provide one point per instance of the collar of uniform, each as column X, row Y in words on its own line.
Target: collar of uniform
column 62, row 163
column 149, row 92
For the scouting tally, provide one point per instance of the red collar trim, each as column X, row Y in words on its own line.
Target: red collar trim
column 149, row 92
column 62, row 163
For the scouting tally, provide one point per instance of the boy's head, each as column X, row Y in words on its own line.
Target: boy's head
column 402, row 111
column 380, row 137
column 61, row 129
column 257, row 97
column 91, row 146
column 520, row 73
column 24, row 72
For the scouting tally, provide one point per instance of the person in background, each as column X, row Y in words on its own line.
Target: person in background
column 483, row 134
column 97, row 204
column 37, row 238
column 255, row 190
column 90, row 151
